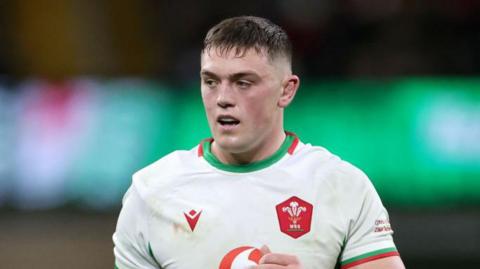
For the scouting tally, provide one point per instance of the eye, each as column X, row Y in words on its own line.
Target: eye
column 243, row 84
column 211, row 83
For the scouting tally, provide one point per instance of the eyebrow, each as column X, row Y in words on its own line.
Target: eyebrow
column 206, row 73
column 234, row 76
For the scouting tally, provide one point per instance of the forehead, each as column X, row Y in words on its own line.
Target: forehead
column 217, row 61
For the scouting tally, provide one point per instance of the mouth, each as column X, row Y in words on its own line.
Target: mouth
column 227, row 121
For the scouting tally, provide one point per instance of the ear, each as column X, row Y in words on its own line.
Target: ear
column 289, row 88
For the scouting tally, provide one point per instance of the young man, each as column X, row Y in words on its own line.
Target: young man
column 253, row 185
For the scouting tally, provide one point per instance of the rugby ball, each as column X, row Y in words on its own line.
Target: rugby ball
column 241, row 258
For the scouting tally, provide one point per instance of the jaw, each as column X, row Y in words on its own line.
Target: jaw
column 228, row 140
column 246, row 146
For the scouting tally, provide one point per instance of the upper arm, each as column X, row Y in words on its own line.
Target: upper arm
column 369, row 235
column 131, row 248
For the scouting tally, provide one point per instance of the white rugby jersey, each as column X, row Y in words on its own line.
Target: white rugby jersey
column 188, row 210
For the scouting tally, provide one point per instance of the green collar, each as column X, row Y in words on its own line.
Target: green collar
column 288, row 145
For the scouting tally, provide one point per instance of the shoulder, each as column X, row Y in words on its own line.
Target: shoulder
column 328, row 166
column 340, row 178
column 168, row 164
column 167, row 170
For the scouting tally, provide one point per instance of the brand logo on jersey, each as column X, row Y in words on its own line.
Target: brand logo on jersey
column 192, row 218
column 294, row 216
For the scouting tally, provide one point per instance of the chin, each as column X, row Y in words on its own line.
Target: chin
column 231, row 144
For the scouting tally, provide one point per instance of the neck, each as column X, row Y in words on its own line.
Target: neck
column 263, row 150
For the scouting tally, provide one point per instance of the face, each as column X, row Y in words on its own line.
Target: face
column 244, row 98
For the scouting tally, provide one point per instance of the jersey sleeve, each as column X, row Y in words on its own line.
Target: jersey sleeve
column 131, row 247
column 369, row 235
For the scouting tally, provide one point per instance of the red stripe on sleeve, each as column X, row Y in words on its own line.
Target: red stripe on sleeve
column 369, row 259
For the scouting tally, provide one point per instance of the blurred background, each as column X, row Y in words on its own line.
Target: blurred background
column 91, row 91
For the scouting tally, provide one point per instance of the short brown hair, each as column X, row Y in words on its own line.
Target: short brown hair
column 247, row 32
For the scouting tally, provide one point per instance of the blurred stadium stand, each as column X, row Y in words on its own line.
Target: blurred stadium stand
column 91, row 91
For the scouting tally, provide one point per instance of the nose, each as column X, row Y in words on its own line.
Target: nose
column 225, row 97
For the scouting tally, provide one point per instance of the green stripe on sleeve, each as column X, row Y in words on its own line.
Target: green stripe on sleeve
column 369, row 254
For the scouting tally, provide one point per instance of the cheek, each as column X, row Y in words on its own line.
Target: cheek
column 204, row 95
column 207, row 104
column 262, row 109
column 207, row 98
